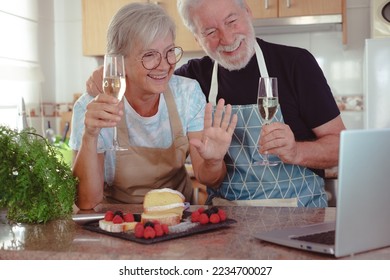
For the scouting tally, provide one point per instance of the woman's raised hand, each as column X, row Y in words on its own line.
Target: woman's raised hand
column 217, row 132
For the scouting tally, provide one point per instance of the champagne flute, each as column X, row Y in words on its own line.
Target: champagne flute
column 267, row 102
column 114, row 83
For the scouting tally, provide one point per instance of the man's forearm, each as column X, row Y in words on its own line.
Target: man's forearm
column 320, row 154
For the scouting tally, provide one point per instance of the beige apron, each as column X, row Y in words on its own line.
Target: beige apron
column 141, row 169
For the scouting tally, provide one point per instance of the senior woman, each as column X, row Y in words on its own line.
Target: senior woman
column 161, row 119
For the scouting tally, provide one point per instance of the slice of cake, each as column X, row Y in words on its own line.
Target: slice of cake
column 120, row 227
column 117, row 222
column 166, row 218
column 163, row 205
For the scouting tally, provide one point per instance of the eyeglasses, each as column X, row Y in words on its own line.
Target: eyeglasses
column 152, row 59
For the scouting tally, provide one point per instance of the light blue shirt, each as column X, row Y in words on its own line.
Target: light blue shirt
column 150, row 132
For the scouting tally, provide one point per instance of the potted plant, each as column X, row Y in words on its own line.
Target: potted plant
column 36, row 184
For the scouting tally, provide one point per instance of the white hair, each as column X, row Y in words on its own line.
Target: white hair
column 138, row 23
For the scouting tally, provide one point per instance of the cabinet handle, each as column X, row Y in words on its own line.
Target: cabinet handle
column 266, row 4
column 288, row 4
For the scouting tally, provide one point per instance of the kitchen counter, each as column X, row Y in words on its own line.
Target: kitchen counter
column 66, row 239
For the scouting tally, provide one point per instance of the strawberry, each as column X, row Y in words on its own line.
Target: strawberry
column 109, row 216
column 214, row 218
column 149, row 232
column 129, row 217
column 117, row 219
column 203, row 219
column 195, row 216
column 222, row 215
column 139, row 230
column 158, row 229
column 165, row 228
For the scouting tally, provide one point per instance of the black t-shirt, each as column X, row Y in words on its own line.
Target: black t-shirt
column 305, row 98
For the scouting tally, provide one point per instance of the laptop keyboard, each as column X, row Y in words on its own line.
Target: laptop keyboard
column 327, row 237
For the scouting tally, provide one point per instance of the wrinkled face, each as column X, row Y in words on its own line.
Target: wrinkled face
column 152, row 81
column 225, row 32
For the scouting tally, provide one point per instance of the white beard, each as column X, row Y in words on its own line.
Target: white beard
column 242, row 59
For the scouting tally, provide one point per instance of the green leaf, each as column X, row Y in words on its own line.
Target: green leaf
column 36, row 185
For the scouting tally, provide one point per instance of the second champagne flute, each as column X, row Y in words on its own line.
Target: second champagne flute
column 267, row 101
column 114, row 83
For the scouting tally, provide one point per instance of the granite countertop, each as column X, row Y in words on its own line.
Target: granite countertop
column 66, row 239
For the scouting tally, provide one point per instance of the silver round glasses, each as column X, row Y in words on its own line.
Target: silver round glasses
column 152, row 59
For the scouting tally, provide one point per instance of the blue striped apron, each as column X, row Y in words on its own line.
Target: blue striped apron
column 249, row 184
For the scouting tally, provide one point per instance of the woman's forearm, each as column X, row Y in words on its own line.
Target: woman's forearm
column 88, row 167
column 211, row 173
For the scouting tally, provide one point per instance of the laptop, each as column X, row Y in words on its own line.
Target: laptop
column 363, row 200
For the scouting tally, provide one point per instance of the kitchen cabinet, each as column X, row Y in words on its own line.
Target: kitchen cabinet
column 200, row 192
column 184, row 37
column 263, row 8
column 288, row 9
column 291, row 8
column 96, row 17
column 98, row 13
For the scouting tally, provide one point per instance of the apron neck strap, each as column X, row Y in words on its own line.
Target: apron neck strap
column 214, row 85
column 176, row 125
column 261, row 61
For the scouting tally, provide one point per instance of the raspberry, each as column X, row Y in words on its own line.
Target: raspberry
column 109, row 216
column 129, row 217
column 214, row 218
column 158, row 229
column 200, row 210
column 195, row 216
column 139, row 230
column 222, row 215
column 149, row 233
column 117, row 219
column 165, row 228
column 203, row 219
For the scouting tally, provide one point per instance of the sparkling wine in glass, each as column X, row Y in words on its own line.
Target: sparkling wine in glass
column 267, row 102
column 114, row 83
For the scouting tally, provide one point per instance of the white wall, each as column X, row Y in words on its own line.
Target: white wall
column 20, row 71
column 51, row 48
column 41, row 58
column 72, row 68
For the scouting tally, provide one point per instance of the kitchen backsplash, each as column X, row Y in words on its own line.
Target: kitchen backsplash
column 351, row 108
column 345, row 103
column 350, row 103
column 48, row 109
